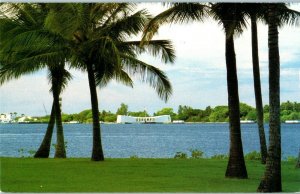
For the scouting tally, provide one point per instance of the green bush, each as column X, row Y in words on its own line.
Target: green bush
column 134, row 157
column 196, row 153
column 253, row 156
column 291, row 159
column 180, row 155
column 23, row 153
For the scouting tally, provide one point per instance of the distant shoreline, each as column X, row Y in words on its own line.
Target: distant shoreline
column 136, row 123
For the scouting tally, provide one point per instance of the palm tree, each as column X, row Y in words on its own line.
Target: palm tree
column 231, row 16
column 278, row 14
column 28, row 47
column 271, row 181
column 96, row 31
column 256, row 11
column 233, row 21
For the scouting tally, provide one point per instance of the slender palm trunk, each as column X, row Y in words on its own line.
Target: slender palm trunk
column 271, row 182
column 236, row 167
column 44, row 149
column 298, row 161
column 97, row 152
column 257, row 91
column 60, row 150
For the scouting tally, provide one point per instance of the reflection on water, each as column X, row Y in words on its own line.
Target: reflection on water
column 143, row 140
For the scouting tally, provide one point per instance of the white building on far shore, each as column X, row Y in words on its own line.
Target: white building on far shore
column 7, row 117
column 154, row 119
column 23, row 119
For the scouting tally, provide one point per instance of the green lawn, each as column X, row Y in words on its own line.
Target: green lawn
column 133, row 175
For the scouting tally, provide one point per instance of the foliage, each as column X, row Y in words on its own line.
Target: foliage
column 266, row 108
column 180, row 155
column 245, row 110
column 134, row 157
column 289, row 111
column 253, row 156
column 23, row 153
column 166, row 111
column 110, row 117
column 219, row 114
column 196, row 154
column 139, row 114
column 123, row 110
column 291, row 159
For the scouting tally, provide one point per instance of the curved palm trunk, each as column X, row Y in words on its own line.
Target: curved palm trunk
column 271, row 182
column 257, row 91
column 97, row 152
column 60, row 151
column 44, row 149
column 298, row 161
column 236, row 167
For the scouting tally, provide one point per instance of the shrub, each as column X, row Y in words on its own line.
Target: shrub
column 134, row 157
column 196, row 154
column 291, row 159
column 23, row 153
column 180, row 155
column 253, row 156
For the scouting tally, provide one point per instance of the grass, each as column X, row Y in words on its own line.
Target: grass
column 133, row 175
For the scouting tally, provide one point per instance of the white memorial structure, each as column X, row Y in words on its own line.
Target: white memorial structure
column 154, row 119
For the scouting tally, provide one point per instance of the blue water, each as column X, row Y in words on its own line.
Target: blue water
column 142, row 140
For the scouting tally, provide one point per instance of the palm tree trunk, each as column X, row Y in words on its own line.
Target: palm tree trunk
column 44, row 149
column 60, row 150
column 271, row 182
column 236, row 167
column 257, row 91
column 298, row 161
column 97, row 152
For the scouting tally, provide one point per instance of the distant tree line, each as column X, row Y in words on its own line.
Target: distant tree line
column 289, row 111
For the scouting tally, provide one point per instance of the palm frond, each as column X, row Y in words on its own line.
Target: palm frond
column 161, row 48
column 178, row 13
column 288, row 16
column 149, row 74
column 11, row 70
column 114, row 11
column 120, row 76
column 100, row 49
column 64, row 19
column 126, row 26
column 231, row 16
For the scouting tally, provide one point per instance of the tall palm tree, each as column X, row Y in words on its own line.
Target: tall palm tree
column 255, row 12
column 233, row 21
column 271, row 181
column 232, row 18
column 96, row 31
column 27, row 47
column 278, row 14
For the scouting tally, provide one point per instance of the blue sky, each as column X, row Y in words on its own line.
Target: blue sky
column 198, row 75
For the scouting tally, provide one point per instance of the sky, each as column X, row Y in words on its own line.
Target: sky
column 198, row 75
